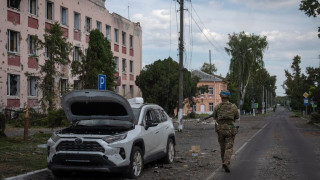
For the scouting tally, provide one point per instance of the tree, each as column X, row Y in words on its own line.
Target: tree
column 313, row 80
column 208, row 68
column 158, row 83
column 58, row 50
column 311, row 8
column 247, row 56
column 99, row 60
column 294, row 85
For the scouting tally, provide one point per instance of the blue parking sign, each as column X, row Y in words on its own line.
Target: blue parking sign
column 101, row 82
column 305, row 101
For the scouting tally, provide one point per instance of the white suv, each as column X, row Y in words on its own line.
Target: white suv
column 109, row 134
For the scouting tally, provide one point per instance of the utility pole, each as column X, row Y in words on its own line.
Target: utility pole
column 263, row 103
column 181, row 48
column 214, row 78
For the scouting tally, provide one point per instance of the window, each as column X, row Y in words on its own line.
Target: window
column 76, row 53
column 64, row 16
column 131, row 66
column 116, row 61
column 76, row 20
column 123, row 38
column 108, row 34
column 117, row 89
column 13, row 41
column 124, row 65
column 210, row 106
column 13, row 85
column 124, row 90
column 131, row 91
column 13, row 4
column 63, row 86
column 33, row 7
column 131, row 41
column 194, row 108
column 116, row 35
column 210, row 90
column 32, row 86
column 87, row 27
column 99, row 25
column 31, row 45
column 163, row 116
column 46, row 52
column 49, row 10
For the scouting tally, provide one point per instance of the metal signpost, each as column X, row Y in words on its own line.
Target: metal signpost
column 101, row 82
column 306, row 101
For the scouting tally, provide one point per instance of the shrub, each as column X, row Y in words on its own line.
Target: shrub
column 57, row 118
column 315, row 117
column 2, row 124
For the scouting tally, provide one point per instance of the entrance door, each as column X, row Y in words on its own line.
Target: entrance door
column 202, row 108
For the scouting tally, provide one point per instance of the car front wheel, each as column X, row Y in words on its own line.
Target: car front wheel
column 170, row 152
column 136, row 162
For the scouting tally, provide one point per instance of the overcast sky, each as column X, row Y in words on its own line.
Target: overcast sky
column 289, row 31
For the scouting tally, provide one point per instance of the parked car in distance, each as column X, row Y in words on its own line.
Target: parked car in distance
column 110, row 134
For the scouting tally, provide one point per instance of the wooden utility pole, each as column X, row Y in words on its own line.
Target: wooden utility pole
column 181, row 48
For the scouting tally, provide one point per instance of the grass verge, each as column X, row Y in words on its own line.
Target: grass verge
column 18, row 156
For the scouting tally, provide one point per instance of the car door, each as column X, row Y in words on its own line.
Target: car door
column 152, row 135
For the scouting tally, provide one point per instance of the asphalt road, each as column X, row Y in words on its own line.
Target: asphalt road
column 283, row 149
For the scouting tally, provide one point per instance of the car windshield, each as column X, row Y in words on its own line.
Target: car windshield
column 136, row 113
column 104, row 123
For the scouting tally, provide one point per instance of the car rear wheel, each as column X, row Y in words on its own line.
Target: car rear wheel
column 170, row 152
column 136, row 162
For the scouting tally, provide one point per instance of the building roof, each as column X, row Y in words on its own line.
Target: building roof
column 205, row 77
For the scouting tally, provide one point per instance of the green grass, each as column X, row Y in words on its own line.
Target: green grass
column 18, row 156
column 297, row 113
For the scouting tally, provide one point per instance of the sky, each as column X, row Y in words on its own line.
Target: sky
column 208, row 23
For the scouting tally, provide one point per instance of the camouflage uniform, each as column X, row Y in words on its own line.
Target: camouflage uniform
column 225, row 115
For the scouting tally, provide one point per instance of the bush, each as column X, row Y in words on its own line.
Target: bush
column 57, row 118
column 2, row 124
column 315, row 117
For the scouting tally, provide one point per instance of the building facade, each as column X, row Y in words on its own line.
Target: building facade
column 22, row 20
column 206, row 101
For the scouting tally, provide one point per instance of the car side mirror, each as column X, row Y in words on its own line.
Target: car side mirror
column 150, row 124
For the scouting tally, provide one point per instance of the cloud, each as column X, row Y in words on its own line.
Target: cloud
column 266, row 4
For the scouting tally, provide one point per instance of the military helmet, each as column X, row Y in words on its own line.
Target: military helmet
column 225, row 93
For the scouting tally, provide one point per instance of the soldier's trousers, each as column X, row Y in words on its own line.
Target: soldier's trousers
column 226, row 141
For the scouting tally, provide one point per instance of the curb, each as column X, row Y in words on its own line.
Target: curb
column 22, row 176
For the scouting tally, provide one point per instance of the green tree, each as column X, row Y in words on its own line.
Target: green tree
column 159, row 84
column 311, row 8
column 99, row 60
column 313, row 80
column 247, row 56
column 208, row 68
column 58, row 50
column 294, row 85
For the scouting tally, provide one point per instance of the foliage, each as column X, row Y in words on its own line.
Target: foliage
column 311, row 8
column 208, row 68
column 315, row 117
column 159, row 84
column 99, row 60
column 57, row 118
column 2, row 124
column 58, row 54
column 313, row 81
column 19, row 156
column 247, row 56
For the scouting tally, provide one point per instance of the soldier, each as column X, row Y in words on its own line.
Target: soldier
column 225, row 115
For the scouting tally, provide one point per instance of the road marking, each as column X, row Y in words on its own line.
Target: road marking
column 238, row 151
column 22, row 176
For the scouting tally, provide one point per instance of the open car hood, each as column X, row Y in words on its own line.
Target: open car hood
column 94, row 104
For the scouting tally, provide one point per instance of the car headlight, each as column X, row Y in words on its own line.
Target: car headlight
column 55, row 137
column 114, row 138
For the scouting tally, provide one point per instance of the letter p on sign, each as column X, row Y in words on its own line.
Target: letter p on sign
column 101, row 82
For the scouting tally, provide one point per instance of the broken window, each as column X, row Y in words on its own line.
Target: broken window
column 108, row 34
column 14, row 4
column 124, row 90
column 131, row 66
column 13, row 85
column 123, row 38
column 210, row 90
column 31, row 45
column 116, row 61
column 33, row 7
column 49, row 10
column 32, row 86
column 63, row 86
column 116, row 35
column 124, row 65
column 131, row 41
column 64, row 16
column 76, row 54
column 13, row 41
column 131, row 91
column 87, row 27
column 210, row 106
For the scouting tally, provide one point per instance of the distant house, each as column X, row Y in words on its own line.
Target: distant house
column 206, row 101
